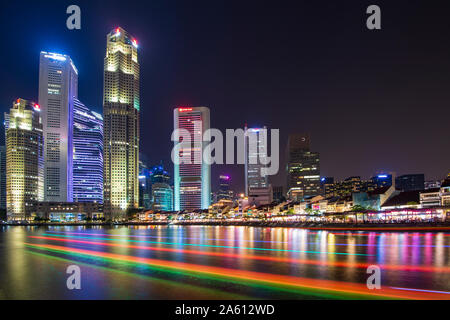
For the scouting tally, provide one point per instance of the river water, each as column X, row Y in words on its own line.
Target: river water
column 217, row 262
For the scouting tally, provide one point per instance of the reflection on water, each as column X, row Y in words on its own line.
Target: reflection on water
column 212, row 262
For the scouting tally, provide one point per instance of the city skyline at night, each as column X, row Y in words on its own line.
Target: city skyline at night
column 225, row 159
column 348, row 93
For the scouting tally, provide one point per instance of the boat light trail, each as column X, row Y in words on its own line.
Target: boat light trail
column 210, row 246
column 256, row 257
column 280, row 242
column 335, row 287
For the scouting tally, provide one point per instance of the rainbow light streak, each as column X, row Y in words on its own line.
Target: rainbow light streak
column 207, row 292
column 333, row 287
column 209, row 246
column 421, row 290
column 261, row 258
column 140, row 236
column 232, row 240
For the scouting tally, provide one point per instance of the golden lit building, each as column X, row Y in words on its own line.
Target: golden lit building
column 24, row 160
column 121, row 125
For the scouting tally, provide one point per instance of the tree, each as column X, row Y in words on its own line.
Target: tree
column 359, row 209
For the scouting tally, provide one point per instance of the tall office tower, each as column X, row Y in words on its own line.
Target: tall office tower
column 192, row 181
column 162, row 195
column 145, row 185
column 58, row 88
column 255, row 148
column 121, row 125
column 24, row 160
column 303, row 167
column 161, row 191
column 225, row 193
column 3, row 177
column 87, row 154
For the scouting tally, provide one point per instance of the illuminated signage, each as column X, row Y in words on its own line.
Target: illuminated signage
column 185, row 109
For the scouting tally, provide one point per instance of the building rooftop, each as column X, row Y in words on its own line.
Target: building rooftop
column 403, row 198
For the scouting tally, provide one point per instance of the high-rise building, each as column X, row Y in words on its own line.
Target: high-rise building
column 162, row 195
column 121, row 105
column 224, row 192
column 58, row 88
column 24, row 160
column 255, row 146
column 383, row 180
column 87, row 154
column 192, row 181
column 257, row 187
column 303, row 167
column 161, row 191
column 145, row 185
column 410, row 182
column 2, row 177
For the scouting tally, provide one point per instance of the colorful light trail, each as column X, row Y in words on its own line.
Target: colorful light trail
column 209, row 246
column 257, row 257
column 313, row 286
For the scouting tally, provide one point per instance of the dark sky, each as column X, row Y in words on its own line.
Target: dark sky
column 371, row 100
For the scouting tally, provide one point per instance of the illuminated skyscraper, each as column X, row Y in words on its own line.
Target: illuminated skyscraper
column 3, row 177
column 58, row 88
column 162, row 192
column 24, row 160
column 192, row 181
column 303, row 168
column 255, row 150
column 224, row 192
column 87, row 155
column 121, row 125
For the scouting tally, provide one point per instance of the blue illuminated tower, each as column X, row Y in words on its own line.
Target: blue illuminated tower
column 162, row 192
column 87, row 154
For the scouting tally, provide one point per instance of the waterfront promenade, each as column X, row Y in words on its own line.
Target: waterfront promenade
column 407, row 227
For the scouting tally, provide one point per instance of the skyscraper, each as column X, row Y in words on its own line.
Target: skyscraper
column 24, row 160
column 257, row 187
column 192, row 181
column 224, row 193
column 121, row 105
column 161, row 191
column 303, row 167
column 2, row 177
column 145, row 185
column 255, row 149
column 87, row 155
column 58, row 88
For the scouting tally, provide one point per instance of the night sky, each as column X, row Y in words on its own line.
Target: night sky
column 371, row 100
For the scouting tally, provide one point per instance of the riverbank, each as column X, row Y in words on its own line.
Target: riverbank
column 407, row 227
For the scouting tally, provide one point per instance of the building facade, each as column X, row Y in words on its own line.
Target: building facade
column 410, row 182
column 24, row 160
column 121, row 104
column 162, row 195
column 3, row 177
column 303, row 167
column 87, row 154
column 145, row 185
column 58, row 88
column 192, row 174
column 255, row 148
column 224, row 192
